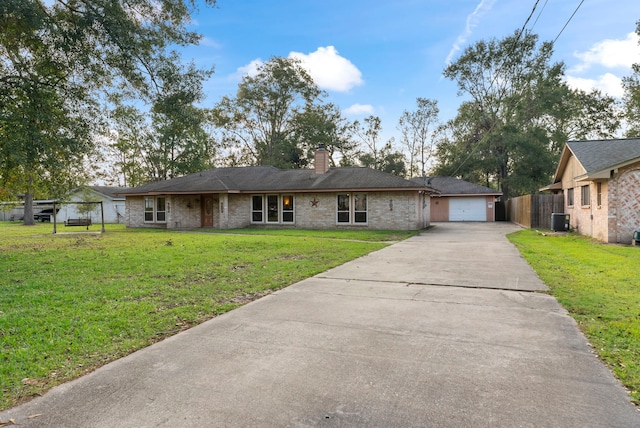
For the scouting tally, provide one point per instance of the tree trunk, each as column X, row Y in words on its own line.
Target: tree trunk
column 28, row 209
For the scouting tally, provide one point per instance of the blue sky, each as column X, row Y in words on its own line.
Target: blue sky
column 377, row 57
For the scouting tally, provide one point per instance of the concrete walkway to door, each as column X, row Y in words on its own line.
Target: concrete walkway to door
column 447, row 329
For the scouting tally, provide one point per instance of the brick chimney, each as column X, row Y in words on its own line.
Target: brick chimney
column 321, row 161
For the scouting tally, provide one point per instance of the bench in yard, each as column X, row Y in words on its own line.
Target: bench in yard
column 78, row 222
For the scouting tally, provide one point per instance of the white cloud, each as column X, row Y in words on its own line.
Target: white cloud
column 607, row 54
column 250, row 69
column 329, row 70
column 210, row 43
column 472, row 22
column 359, row 109
column 608, row 83
column 610, row 54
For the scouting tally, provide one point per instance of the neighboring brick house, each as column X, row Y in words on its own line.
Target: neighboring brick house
column 459, row 200
column 600, row 180
column 263, row 196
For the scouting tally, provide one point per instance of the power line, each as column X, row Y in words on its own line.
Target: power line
column 540, row 13
column 495, row 77
column 567, row 23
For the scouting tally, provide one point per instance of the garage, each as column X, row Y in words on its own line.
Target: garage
column 468, row 209
column 459, row 200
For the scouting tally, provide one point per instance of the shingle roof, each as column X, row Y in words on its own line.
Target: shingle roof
column 272, row 179
column 597, row 155
column 109, row 191
column 454, row 186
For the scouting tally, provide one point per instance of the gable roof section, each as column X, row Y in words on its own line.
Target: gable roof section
column 108, row 191
column 451, row 186
column 598, row 157
column 271, row 179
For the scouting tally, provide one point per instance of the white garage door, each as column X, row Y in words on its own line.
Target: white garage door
column 467, row 209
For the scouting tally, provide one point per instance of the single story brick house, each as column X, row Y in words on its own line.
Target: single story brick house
column 459, row 200
column 263, row 196
column 600, row 180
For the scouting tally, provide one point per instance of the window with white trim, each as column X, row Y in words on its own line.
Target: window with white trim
column 360, row 207
column 272, row 209
column 343, row 209
column 257, row 210
column 155, row 210
column 288, row 215
column 599, row 193
column 148, row 209
column 161, row 209
column 585, row 194
column 352, row 208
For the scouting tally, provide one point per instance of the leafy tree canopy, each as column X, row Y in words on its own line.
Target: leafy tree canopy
column 56, row 59
column 518, row 115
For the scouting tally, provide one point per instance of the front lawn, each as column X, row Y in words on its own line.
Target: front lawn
column 600, row 287
column 70, row 303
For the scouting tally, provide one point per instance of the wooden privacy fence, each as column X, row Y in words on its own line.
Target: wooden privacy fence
column 534, row 211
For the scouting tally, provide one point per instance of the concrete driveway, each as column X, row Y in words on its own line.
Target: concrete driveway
column 447, row 329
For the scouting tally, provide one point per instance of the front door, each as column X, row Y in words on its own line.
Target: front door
column 207, row 211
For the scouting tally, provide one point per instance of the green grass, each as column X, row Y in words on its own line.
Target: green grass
column 600, row 287
column 70, row 303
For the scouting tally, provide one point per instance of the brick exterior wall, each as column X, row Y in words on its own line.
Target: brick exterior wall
column 385, row 210
column 617, row 216
column 627, row 202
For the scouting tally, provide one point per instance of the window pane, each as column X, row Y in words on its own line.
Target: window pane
column 570, row 197
column 256, row 209
column 160, row 216
column 343, row 202
column 360, row 217
column 160, row 204
column 257, row 203
column 287, row 208
column 360, row 202
column 343, row 217
column 360, row 208
column 586, row 198
column 343, row 209
column 287, row 203
column 148, row 209
column 272, row 208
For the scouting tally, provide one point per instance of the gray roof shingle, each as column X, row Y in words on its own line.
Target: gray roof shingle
column 597, row 155
column 454, row 186
column 272, row 179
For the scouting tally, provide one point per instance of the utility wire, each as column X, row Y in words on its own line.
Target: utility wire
column 540, row 13
column 495, row 77
column 477, row 144
column 567, row 23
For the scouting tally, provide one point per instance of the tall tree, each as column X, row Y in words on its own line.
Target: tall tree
column 56, row 58
column 262, row 120
column 631, row 99
column 417, row 128
column 519, row 108
column 323, row 125
column 180, row 144
column 375, row 154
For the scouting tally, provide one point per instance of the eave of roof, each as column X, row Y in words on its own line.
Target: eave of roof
column 246, row 180
column 586, row 151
